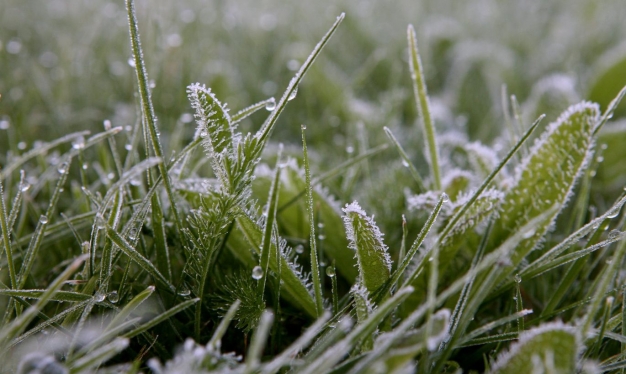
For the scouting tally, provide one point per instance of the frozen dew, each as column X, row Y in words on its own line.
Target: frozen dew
column 111, row 176
column 21, row 146
column 79, row 142
column 184, row 291
column 186, row 117
column 174, row 40
column 293, row 65
column 14, row 46
column 330, row 271
column 63, row 167
column 613, row 213
column 101, row 223
column 85, row 166
column 445, row 198
column 614, row 234
column 107, row 124
column 43, row 219
column 25, row 187
column 132, row 234
column 4, row 124
column 517, row 278
column 257, row 272
column 128, row 147
column 131, row 62
column 270, row 104
column 405, row 163
column 293, row 94
column 299, row 249
column 135, row 182
column 203, row 134
column 350, row 149
column 113, row 297
column 99, row 297
column 528, row 234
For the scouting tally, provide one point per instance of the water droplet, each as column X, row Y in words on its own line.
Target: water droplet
column 203, row 134
column 107, row 124
column 405, row 163
column 303, row 127
column 152, row 84
column 613, row 213
column 528, row 234
column 445, row 198
column 100, row 221
column 111, row 176
column 430, row 259
column 320, row 225
column 614, row 234
column 85, row 166
column 21, row 146
column 99, row 297
column 135, row 182
column 299, row 249
column 128, row 147
column 43, row 219
column 132, row 234
column 350, row 149
column 293, row 94
column 25, row 187
column 131, row 62
column 257, row 273
column 79, row 143
column 330, row 271
column 599, row 159
column 184, row 291
column 518, row 278
column 321, row 237
column 293, row 65
column 113, row 297
column 63, row 167
column 4, row 124
column 270, row 104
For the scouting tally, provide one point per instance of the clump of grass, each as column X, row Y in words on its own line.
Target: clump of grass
column 157, row 258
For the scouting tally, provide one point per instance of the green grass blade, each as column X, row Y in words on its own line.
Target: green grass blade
column 6, row 239
column 248, row 111
column 99, row 356
column 406, row 161
column 367, row 241
column 216, row 339
column 253, row 358
column 63, row 296
column 146, row 104
column 132, row 253
column 423, row 107
column 266, row 130
column 130, row 307
column 160, row 318
column 315, row 267
column 20, row 323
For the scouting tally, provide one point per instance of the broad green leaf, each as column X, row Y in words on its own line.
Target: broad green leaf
column 609, row 80
column 367, row 241
column 551, row 348
column 546, row 177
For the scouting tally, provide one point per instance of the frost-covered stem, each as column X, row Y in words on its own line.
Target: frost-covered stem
column 6, row 238
column 607, row 278
column 315, row 269
column 421, row 99
column 455, row 219
column 146, row 104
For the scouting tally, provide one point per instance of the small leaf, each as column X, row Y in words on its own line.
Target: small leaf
column 367, row 241
column 551, row 348
column 213, row 120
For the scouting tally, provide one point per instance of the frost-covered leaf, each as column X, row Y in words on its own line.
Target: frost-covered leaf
column 367, row 241
column 549, row 348
column 212, row 118
column 363, row 309
column 547, row 177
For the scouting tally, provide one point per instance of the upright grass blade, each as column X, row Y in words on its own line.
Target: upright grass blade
column 99, row 356
column 147, row 107
column 367, row 241
column 216, row 339
column 265, row 131
column 423, row 107
column 266, row 244
column 406, row 161
column 315, row 268
column 253, row 358
column 160, row 318
column 6, row 239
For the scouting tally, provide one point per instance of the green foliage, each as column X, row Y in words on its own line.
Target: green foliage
column 487, row 254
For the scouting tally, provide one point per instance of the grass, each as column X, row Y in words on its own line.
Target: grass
column 455, row 207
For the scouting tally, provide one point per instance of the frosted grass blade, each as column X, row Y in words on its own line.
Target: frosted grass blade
column 423, row 107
